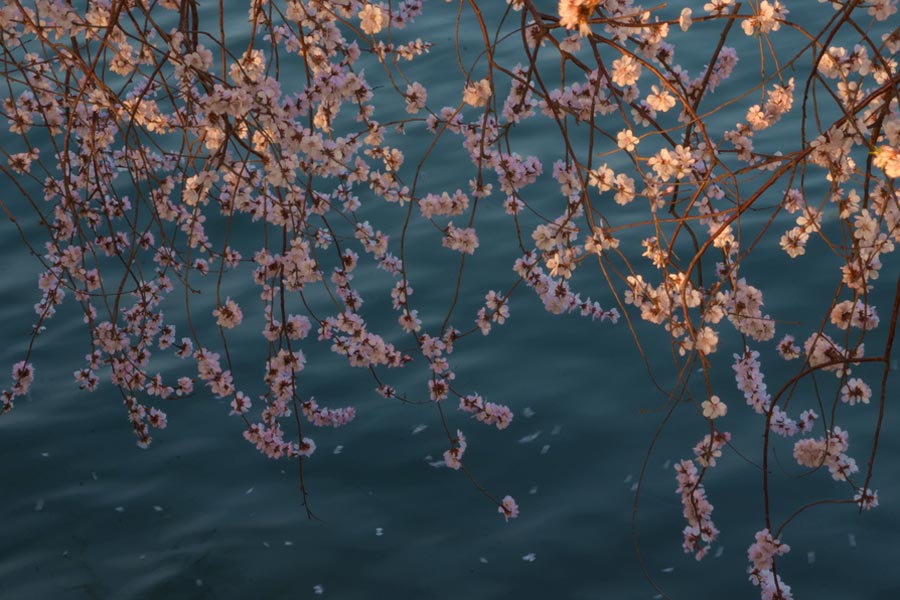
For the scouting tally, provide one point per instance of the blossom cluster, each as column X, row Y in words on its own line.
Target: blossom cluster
column 700, row 532
column 165, row 166
column 761, row 555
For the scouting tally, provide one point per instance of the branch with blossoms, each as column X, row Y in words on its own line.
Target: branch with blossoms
column 164, row 163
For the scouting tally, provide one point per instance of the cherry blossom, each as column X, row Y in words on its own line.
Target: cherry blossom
column 714, row 408
column 508, row 508
column 319, row 167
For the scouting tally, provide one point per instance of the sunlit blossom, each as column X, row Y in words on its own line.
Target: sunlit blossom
column 574, row 14
column 372, row 18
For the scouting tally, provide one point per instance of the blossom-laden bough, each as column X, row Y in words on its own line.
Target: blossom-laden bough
column 144, row 138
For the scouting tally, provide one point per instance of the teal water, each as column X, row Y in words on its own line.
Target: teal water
column 201, row 514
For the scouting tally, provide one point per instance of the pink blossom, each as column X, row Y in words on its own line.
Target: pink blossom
column 508, row 508
column 23, row 376
column 714, row 408
column 228, row 315
column 453, row 456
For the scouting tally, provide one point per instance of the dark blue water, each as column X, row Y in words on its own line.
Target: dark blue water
column 87, row 514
